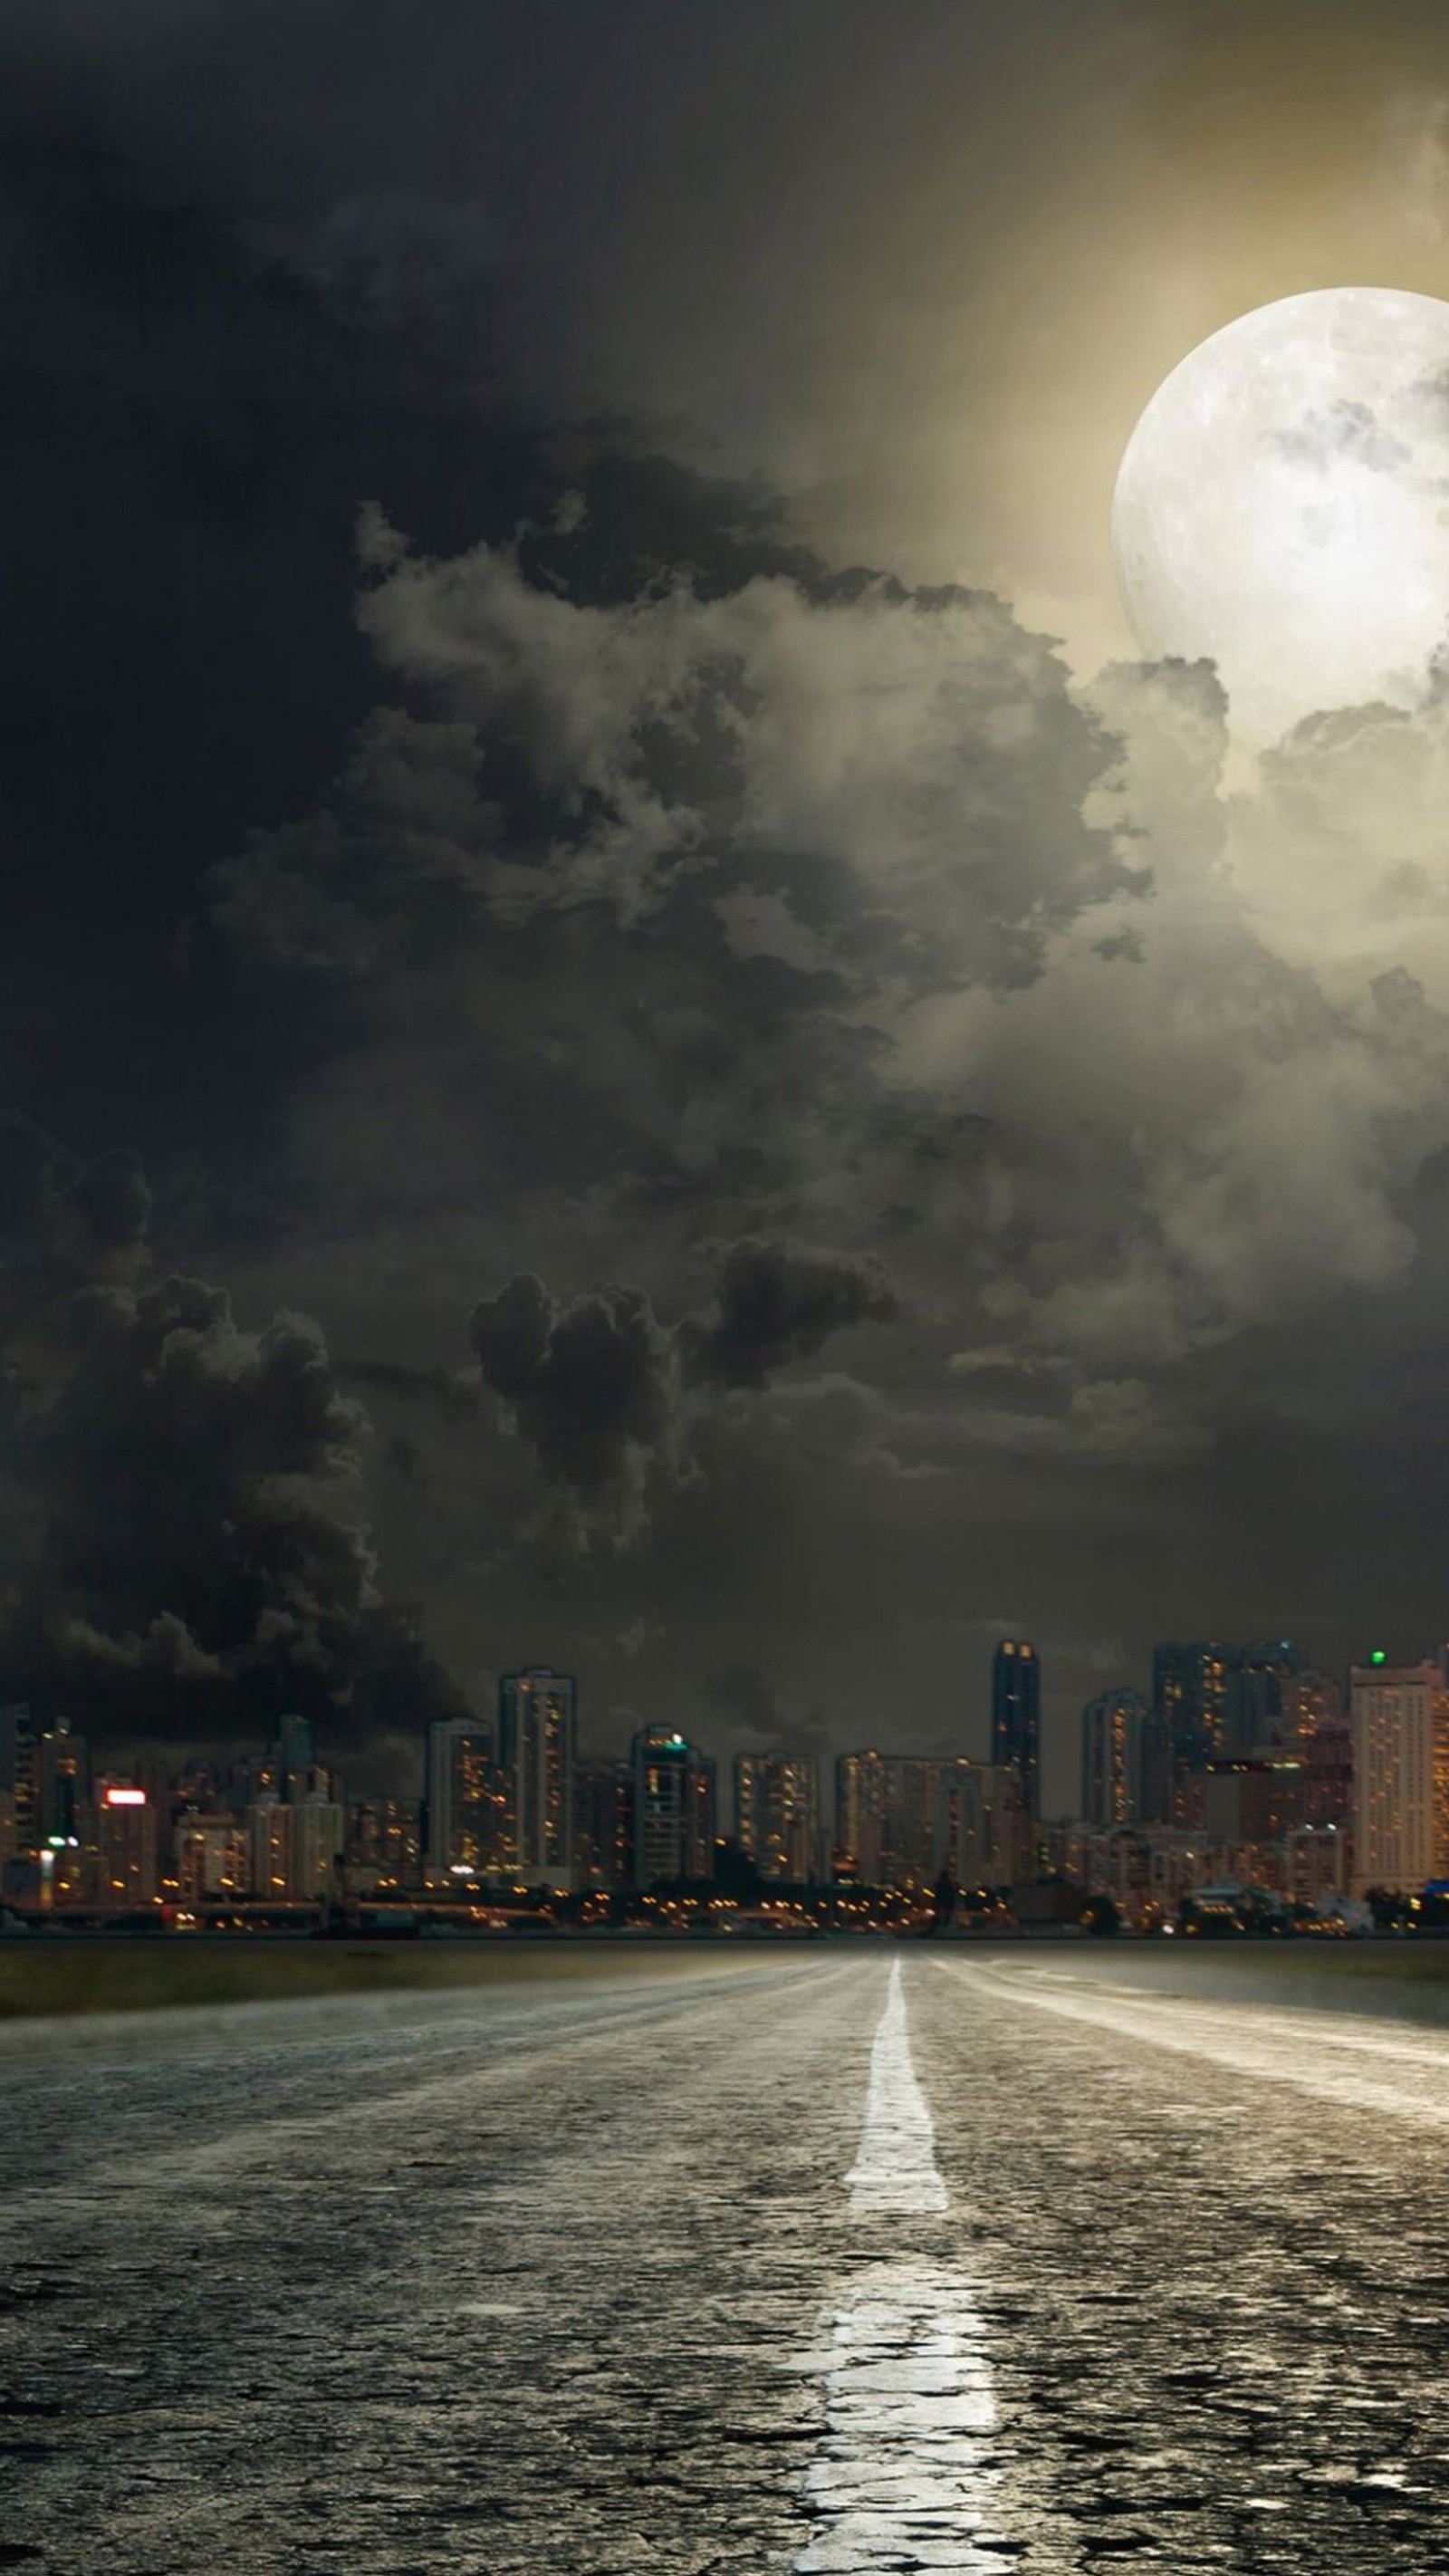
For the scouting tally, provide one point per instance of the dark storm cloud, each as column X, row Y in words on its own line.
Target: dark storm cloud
column 608, row 1396
column 593, row 1388
column 63, row 1218
column 390, row 258
column 775, row 1304
column 189, row 1526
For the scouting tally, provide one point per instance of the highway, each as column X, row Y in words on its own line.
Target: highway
column 888, row 2257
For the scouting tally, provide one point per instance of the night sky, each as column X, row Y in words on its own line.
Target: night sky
column 613, row 1057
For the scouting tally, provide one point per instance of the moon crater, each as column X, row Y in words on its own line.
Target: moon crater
column 1280, row 507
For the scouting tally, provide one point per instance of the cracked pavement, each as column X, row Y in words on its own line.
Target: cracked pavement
column 569, row 2277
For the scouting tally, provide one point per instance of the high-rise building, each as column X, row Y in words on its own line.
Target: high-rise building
column 536, row 1749
column 295, row 1851
column 1439, row 1723
column 383, row 1849
column 210, row 1858
column 18, row 1774
column 269, row 1849
column 603, row 1824
column 1156, row 1799
column 464, row 1801
column 1258, row 1677
column 915, row 1827
column 1393, row 1773
column 901, row 1818
column 963, row 1811
column 1016, row 1715
column 1112, row 1758
column 1316, row 1733
column 57, row 1779
column 319, row 1835
column 125, row 1843
column 860, row 1813
column 1189, row 1695
column 1252, row 1798
column 674, row 1807
column 777, row 1814
column 1011, row 1829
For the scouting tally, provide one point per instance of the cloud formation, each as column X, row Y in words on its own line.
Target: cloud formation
column 608, row 1397
column 193, row 1520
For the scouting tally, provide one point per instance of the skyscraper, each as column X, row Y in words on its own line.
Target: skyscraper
column 860, row 1806
column 1016, row 1716
column 18, row 1774
column 777, row 1814
column 964, row 1808
column 1258, row 1678
column 125, row 1843
column 900, row 1818
column 464, row 1799
column 1315, row 1732
column 1112, row 1758
column 536, row 1745
column 1189, row 1695
column 1393, row 1773
column 673, row 1807
column 1156, row 1801
column 296, row 1849
column 603, row 1824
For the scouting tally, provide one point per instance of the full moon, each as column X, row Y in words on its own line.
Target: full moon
column 1283, row 506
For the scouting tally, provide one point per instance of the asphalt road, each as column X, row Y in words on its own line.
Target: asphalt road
column 789, row 2262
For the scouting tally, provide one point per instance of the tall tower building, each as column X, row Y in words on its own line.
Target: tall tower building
column 1392, row 1710
column 1316, row 1732
column 1189, row 1695
column 464, row 1799
column 1016, row 1716
column 19, row 1782
column 1112, row 1758
column 126, row 1844
column 603, row 1824
column 295, row 1850
column 901, row 1818
column 860, row 1815
column 1156, row 1796
column 536, row 1751
column 1259, row 1678
column 777, row 1814
column 673, row 1804
column 963, row 1804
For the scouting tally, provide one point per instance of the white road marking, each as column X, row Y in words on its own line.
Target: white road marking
column 895, row 2171
column 904, row 2476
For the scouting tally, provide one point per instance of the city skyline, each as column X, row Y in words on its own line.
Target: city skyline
column 737, row 1710
column 1247, row 1766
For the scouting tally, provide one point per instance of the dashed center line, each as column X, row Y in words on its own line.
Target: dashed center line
column 895, row 2171
column 905, row 2475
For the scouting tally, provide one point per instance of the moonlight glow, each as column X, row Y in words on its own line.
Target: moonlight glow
column 1283, row 505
